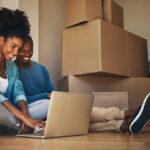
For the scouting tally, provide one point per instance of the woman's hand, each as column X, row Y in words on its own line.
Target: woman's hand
column 25, row 129
column 28, row 125
column 23, row 117
column 33, row 123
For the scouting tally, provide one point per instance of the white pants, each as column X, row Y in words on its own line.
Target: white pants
column 37, row 110
column 106, row 119
column 102, row 119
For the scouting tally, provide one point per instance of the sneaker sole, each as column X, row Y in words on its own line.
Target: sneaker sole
column 139, row 115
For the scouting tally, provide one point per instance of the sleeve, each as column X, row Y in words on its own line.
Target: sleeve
column 2, row 98
column 48, row 83
column 18, row 89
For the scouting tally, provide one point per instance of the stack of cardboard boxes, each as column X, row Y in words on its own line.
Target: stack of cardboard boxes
column 99, row 55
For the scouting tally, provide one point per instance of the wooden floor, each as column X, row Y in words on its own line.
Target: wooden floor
column 93, row 141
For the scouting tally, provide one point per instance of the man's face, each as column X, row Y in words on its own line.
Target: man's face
column 26, row 53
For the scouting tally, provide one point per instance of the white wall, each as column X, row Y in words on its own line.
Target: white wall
column 52, row 13
column 137, row 17
column 9, row 4
column 31, row 7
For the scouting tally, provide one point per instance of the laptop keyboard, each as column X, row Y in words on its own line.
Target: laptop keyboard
column 38, row 130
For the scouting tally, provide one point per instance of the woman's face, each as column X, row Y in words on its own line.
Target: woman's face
column 10, row 47
column 26, row 53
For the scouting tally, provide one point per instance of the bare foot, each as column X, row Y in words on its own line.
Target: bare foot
column 128, row 114
column 125, row 125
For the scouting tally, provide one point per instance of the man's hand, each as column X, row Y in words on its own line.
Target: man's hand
column 49, row 95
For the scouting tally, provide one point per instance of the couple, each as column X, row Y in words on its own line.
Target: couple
column 17, row 111
column 28, row 113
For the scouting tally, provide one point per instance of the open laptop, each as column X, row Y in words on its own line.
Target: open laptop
column 68, row 115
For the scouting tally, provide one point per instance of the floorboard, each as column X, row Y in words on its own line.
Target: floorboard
column 93, row 141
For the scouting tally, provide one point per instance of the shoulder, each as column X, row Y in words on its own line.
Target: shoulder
column 11, row 65
column 11, row 68
column 36, row 64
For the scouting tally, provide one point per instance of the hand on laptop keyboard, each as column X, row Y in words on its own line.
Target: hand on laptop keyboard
column 38, row 130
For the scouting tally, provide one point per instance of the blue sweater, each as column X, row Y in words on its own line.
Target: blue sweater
column 36, row 82
column 15, row 91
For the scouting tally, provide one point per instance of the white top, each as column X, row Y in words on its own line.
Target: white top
column 3, row 85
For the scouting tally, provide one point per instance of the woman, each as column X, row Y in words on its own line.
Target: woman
column 36, row 81
column 14, row 27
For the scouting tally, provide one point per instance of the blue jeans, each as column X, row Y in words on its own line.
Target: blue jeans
column 37, row 110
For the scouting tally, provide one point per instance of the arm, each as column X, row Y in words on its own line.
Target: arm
column 15, row 112
column 48, row 83
column 18, row 92
column 11, row 108
column 19, row 96
column 23, row 107
column 19, row 115
column 20, row 99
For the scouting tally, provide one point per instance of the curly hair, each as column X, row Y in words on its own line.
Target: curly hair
column 13, row 23
column 29, row 38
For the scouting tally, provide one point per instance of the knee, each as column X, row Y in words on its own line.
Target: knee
column 7, row 119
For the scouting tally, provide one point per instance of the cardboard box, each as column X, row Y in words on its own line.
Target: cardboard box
column 79, row 11
column 137, row 55
column 111, row 99
column 113, row 13
column 92, row 48
column 137, row 88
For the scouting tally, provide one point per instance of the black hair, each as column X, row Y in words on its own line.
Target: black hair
column 13, row 23
column 29, row 38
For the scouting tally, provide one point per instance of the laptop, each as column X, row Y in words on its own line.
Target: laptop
column 68, row 115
